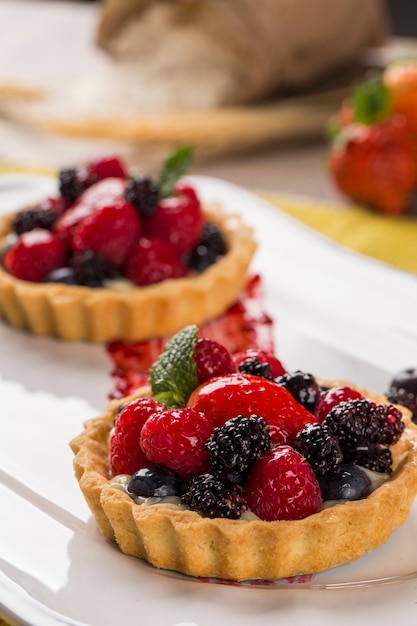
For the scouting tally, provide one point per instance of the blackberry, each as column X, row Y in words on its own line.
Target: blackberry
column 373, row 456
column 256, row 367
column 210, row 248
column 302, row 386
column 319, row 446
column 90, row 269
column 143, row 194
column 361, row 421
column 213, row 497
column 403, row 390
column 34, row 217
column 73, row 181
column 235, row 446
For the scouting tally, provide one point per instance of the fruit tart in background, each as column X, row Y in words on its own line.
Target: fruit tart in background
column 235, row 468
column 119, row 256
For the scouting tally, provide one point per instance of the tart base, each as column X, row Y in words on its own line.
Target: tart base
column 182, row 540
column 99, row 315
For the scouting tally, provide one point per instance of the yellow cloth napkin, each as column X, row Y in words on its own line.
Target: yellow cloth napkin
column 390, row 239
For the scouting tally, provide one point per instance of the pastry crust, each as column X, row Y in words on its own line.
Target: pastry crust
column 182, row 540
column 100, row 315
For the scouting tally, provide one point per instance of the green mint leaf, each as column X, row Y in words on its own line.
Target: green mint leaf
column 173, row 376
column 174, row 167
column 371, row 101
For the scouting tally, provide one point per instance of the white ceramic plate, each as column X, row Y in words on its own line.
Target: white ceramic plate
column 337, row 314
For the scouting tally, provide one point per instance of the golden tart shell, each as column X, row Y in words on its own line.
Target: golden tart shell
column 182, row 540
column 99, row 315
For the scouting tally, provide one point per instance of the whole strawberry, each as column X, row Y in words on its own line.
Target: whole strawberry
column 225, row 397
column 400, row 79
column 126, row 456
column 176, row 438
column 375, row 164
column 35, row 255
column 282, row 486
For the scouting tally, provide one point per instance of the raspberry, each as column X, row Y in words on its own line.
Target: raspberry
column 176, row 439
column 35, row 255
column 178, row 220
column 126, row 456
column 235, row 446
column 319, row 446
column 211, row 359
column 302, row 386
column 108, row 166
column 110, row 231
column 213, row 497
column 359, row 421
column 277, row 369
column 143, row 194
column 282, row 486
column 152, row 261
column 332, row 397
column 225, row 397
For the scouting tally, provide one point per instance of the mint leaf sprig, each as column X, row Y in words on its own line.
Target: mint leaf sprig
column 173, row 376
column 174, row 167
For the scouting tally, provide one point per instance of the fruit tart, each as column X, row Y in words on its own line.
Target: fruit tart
column 235, row 468
column 115, row 255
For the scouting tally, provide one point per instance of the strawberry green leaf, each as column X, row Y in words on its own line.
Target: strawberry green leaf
column 173, row 376
column 174, row 167
column 371, row 101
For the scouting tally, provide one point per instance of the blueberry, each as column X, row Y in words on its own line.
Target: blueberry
column 348, row 482
column 403, row 390
column 62, row 275
column 155, row 481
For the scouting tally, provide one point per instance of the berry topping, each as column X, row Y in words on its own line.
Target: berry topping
column 176, row 439
column 35, row 255
column 277, row 369
column 235, row 446
column 302, row 386
column 155, row 481
column 332, row 397
column 236, row 394
column 319, row 446
column 282, row 486
column 347, row 482
column 212, row 496
column 373, row 456
column 43, row 215
column 256, row 367
column 403, row 390
column 90, row 269
column 152, row 261
column 210, row 248
column 359, row 421
column 110, row 231
column 126, row 456
column 109, row 166
column 211, row 359
column 73, row 181
column 143, row 194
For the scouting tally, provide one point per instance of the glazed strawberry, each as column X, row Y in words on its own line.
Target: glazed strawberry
column 111, row 231
column 176, row 439
column 211, row 359
column 109, row 166
column 375, row 165
column 177, row 219
column 153, row 260
column 126, row 456
column 103, row 193
column 236, row 394
column 332, row 397
column 277, row 368
column 282, row 486
column 36, row 253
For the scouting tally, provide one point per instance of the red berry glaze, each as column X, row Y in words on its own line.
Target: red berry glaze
column 212, row 359
column 277, row 368
column 332, row 397
column 176, row 438
column 126, row 456
column 178, row 219
column 35, row 255
column 153, row 260
column 111, row 231
column 225, row 397
column 282, row 486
